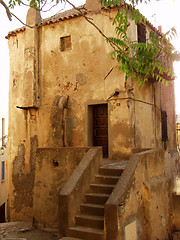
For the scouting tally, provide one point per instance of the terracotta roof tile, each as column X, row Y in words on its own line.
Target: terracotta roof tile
column 62, row 16
column 14, row 32
column 65, row 15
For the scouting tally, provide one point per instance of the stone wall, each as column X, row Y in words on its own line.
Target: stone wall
column 53, row 168
column 176, row 212
column 73, row 192
column 141, row 200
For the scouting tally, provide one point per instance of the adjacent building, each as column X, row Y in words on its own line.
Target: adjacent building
column 3, row 176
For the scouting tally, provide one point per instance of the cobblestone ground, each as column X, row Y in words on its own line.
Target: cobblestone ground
column 24, row 231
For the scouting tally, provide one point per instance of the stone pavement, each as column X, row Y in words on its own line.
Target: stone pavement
column 24, row 231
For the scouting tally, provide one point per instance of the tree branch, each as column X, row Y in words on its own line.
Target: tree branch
column 23, row 22
column 7, row 10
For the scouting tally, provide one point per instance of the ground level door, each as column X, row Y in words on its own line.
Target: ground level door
column 2, row 213
column 100, row 127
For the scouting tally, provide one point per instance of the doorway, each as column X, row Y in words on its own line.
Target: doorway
column 100, row 127
column 2, row 213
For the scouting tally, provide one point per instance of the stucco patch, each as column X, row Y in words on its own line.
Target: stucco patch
column 71, row 123
column 81, row 79
column 57, row 131
column 157, row 207
column 24, row 182
column 29, row 75
column 131, row 231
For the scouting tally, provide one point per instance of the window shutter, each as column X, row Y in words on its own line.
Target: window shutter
column 141, row 29
column 164, row 126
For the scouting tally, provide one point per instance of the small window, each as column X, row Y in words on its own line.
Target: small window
column 141, row 30
column 65, row 43
column 2, row 170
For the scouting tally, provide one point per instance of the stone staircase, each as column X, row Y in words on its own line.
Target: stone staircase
column 90, row 220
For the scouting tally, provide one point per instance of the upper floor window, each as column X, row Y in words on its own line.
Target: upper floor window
column 141, row 31
column 3, row 171
column 65, row 43
column 164, row 127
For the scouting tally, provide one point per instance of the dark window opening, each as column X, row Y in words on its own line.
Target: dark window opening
column 164, row 126
column 141, row 31
column 2, row 170
column 65, row 43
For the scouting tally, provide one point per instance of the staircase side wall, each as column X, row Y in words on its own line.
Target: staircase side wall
column 141, row 200
column 53, row 168
column 75, row 188
column 176, row 212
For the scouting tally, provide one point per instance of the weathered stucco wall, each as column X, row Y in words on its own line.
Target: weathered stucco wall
column 85, row 81
column 172, row 164
column 23, row 140
column 147, row 125
column 157, row 203
column 21, row 182
column 53, row 168
column 141, row 200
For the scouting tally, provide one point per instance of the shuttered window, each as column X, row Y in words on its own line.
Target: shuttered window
column 141, row 31
column 164, row 126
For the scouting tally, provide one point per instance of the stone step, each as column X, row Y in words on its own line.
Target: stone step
column 90, row 221
column 70, row 238
column 176, row 235
column 97, row 198
column 92, row 209
column 13, row 238
column 111, row 171
column 86, row 233
column 105, row 179
column 102, row 188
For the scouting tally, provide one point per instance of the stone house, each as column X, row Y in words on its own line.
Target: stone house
column 66, row 98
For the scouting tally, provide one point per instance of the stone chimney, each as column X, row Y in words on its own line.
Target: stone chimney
column 30, row 96
column 93, row 5
column 160, row 28
column 33, row 17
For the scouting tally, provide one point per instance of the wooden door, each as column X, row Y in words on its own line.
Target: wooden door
column 100, row 127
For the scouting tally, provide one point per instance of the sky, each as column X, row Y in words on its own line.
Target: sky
column 158, row 12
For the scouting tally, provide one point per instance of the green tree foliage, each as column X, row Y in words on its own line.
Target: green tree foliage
column 144, row 61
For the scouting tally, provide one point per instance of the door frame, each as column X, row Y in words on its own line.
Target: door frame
column 89, row 122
